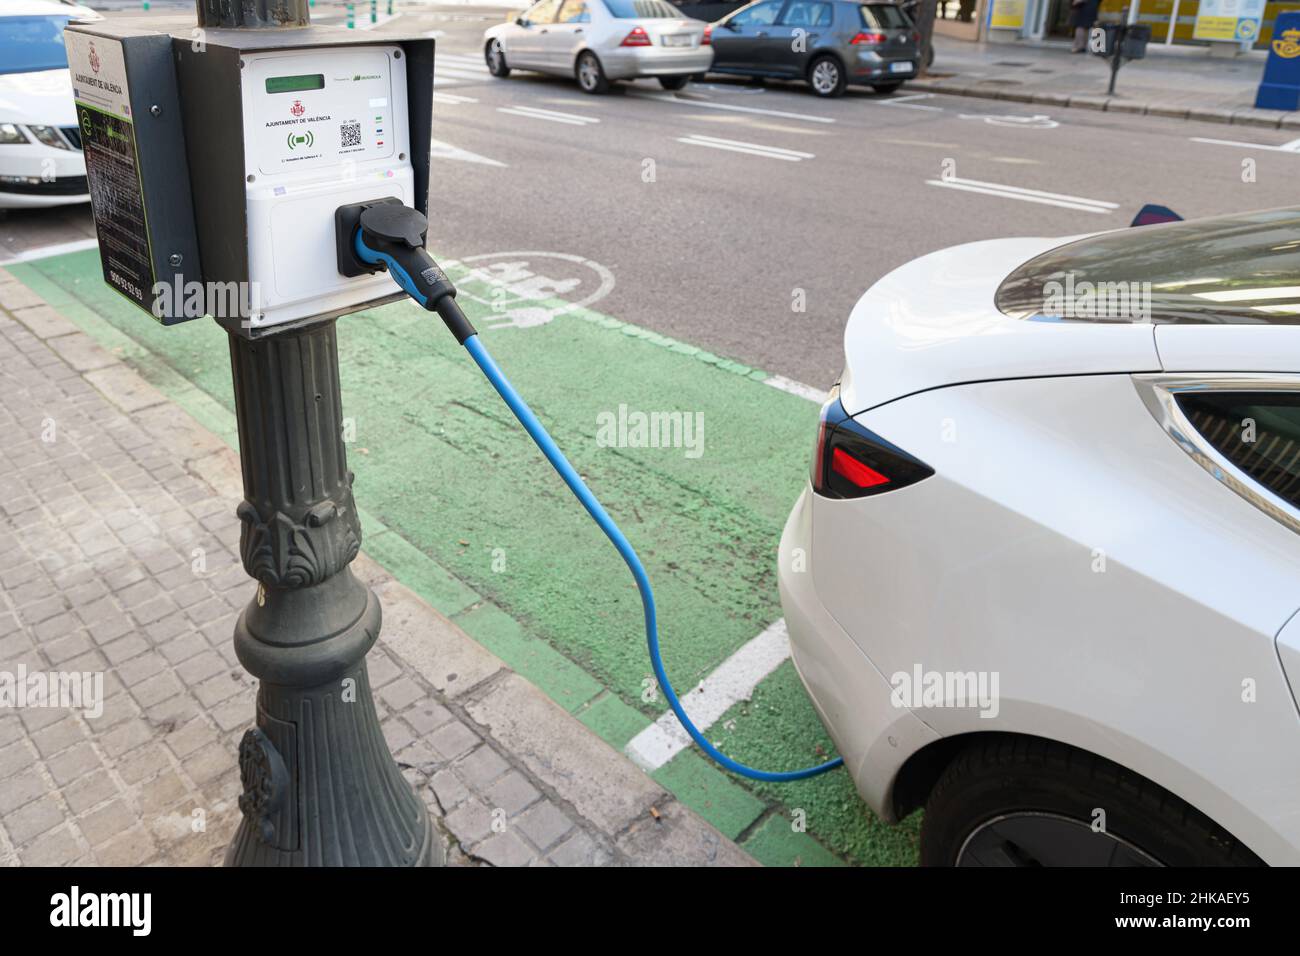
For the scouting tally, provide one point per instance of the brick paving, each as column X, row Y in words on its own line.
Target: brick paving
column 119, row 560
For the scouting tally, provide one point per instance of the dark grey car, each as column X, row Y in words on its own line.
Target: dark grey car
column 829, row 43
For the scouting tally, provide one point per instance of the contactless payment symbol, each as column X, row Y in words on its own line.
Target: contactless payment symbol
column 304, row 139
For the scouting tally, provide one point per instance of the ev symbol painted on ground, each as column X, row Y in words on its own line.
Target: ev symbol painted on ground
column 528, row 289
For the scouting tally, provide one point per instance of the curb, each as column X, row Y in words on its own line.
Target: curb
column 1263, row 119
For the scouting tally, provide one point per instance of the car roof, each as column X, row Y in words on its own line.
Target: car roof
column 934, row 322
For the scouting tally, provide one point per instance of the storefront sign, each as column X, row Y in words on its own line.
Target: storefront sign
column 1007, row 15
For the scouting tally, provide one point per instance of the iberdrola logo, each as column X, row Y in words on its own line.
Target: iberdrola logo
column 1288, row 45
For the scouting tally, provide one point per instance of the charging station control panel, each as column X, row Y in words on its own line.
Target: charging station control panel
column 243, row 144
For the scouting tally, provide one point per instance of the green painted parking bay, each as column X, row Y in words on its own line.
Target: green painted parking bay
column 461, row 507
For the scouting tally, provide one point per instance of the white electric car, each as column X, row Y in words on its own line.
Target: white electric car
column 41, row 163
column 1044, row 580
column 597, row 41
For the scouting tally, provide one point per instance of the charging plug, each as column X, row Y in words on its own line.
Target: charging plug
column 387, row 234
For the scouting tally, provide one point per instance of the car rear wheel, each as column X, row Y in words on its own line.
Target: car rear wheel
column 673, row 82
column 826, row 76
column 886, row 87
column 590, row 74
column 496, row 59
column 1009, row 801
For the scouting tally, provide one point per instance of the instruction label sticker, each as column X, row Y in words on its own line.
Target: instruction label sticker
column 103, row 102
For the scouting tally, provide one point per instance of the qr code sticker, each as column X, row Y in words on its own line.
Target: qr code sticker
column 350, row 133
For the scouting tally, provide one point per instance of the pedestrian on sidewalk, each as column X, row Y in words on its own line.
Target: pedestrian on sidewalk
column 1083, row 14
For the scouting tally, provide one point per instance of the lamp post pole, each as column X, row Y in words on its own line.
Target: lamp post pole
column 320, row 787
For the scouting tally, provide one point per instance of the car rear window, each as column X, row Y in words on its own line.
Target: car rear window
column 883, row 16
column 1238, row 270
column 1259, row 432
column 643, row 10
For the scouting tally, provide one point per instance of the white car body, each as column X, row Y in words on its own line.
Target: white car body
column 41, row 98
column 536, row 41
column 1131, row 605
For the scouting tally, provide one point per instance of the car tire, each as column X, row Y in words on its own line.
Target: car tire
column 826, row 76
column 887, row 87
column 1025, row 801
column 674, row 82
column 589, row 73
column 495, row 58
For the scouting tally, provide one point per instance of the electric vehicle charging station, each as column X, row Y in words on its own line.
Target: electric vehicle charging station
column 278, row 127
column 224, row 158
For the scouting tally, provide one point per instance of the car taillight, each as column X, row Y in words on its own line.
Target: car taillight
column 868, row 38
column 708, row 36
column 638, row 37
column 916, row 36
column 851, row 461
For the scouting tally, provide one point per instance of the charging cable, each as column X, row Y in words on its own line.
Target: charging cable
column 414, row 270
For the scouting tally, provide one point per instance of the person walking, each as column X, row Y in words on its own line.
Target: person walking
column 1083, row 14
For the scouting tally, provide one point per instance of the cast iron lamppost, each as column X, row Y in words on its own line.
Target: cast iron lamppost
column 320, row 786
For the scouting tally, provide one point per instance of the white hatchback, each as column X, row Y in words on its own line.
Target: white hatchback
column 598, row 41
column 1044, row 580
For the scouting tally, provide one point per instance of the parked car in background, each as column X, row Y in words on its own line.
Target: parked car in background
column 829, row 43
column 1051, row 548
column 41, row 163
column 600, row 41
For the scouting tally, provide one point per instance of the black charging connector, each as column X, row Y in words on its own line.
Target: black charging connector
column 386, row 234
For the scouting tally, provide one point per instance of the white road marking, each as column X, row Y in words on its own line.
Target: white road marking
column 452, row 98
column 733, row 681
column 45, row 252
column 1291, row 147
column 753, row 149
column 1026, row 195
column 554, row 116
column 441, row 150
column 903, row 102
column 815, row 395
column 704, row 104
column 1037, row 121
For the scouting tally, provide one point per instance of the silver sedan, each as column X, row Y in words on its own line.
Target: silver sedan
column 599, row 41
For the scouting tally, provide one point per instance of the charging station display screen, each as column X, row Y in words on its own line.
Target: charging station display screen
column 295, row 84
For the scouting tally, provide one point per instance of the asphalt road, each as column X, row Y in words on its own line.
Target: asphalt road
column 720, row 247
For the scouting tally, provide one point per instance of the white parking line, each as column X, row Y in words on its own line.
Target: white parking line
column 733, row 681
column 45, row 252
column 1291, row 147
column 902, row 102
column 452, row 98
column 1026, row 195
column 704, row 104
column 554, row 116
column 815, row 395
column 753, row 149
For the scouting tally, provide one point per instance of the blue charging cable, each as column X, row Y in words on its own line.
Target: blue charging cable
column 392, row 236
column 580, row 490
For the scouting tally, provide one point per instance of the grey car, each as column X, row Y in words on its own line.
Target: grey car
column 829, row 43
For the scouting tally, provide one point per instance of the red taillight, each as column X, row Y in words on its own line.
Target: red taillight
column 916, row 36
column 708, row 36
column 860, row 473
column 638, row 37
column 868, row 38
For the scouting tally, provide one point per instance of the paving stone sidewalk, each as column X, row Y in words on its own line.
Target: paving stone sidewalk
column 119, row 557
column 1177, row 83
